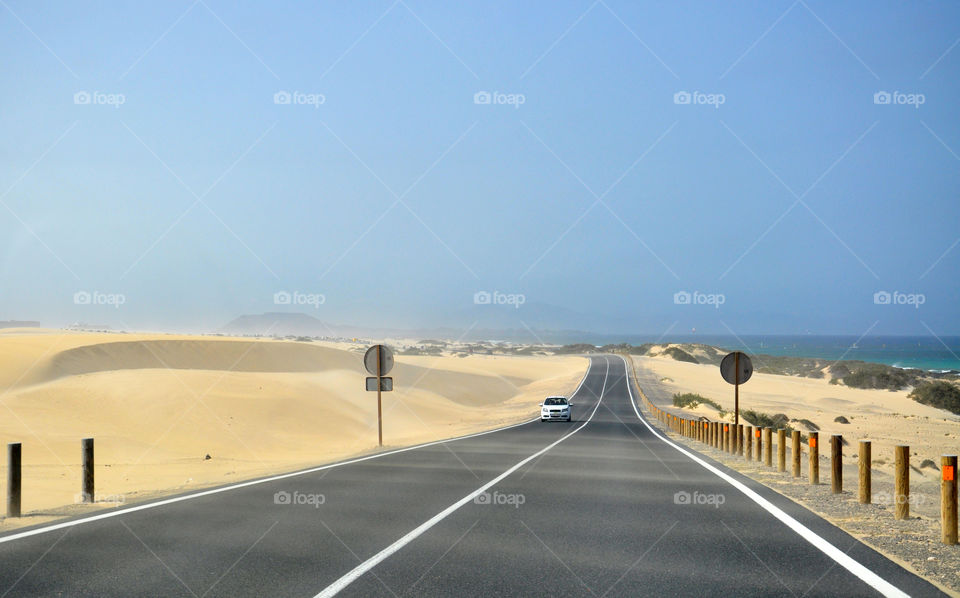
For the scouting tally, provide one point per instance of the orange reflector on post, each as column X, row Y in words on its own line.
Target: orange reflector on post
column 948, row 473
column 726, row 428
column 758, row 433
column 813, row 442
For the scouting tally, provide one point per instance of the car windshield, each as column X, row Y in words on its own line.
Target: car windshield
column 555, row 401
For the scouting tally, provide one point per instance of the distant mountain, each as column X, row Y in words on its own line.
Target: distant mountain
column 19, row 324
column 299, row 324
column 281, row 324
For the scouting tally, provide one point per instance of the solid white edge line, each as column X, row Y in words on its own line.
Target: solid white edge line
column 841, row 558
column 168, row 501
column 337, row 586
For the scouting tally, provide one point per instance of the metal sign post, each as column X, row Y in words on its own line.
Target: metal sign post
column 379, row 391
column 379, row 361
column 736, row 389
column 736, row 368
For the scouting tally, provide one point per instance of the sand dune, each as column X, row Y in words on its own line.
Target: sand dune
column 158, row 404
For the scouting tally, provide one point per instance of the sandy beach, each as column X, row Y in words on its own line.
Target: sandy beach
column 158, row 405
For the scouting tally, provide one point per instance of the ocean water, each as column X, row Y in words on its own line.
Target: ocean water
column 925, row 353
column 920, row 352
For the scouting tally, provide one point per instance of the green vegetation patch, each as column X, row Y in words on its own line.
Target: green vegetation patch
column 691, row 400
column 680, row 355
column 878, row 375
column 765, row 420
column 940, row 394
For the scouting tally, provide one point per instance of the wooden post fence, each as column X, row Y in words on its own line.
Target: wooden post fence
column 901, row 482
column 13, row 479
column 86, row 448
column 836, row 464
column 795, row 437
column 781, row 450
column 768, row 447
column 864, row 458
column 814, row 458
column 948, row 499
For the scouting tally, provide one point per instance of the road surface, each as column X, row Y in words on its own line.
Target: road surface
column 602, row 506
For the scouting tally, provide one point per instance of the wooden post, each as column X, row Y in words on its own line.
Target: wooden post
column 748, row 435
column 768, row 447
column 759, row 438
column 795, row 438
column 948, row 499
column 13, row 479
column 781, row 450
column 901, row 482
column 836, row 464
column 814, row 458
column 86, row 450
column 740, row 439
column 866, row 491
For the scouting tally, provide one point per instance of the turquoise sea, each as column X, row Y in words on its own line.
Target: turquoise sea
column 921, row 352
column 925, row 353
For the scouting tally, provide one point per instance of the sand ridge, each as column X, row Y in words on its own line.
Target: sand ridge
column 158, row 404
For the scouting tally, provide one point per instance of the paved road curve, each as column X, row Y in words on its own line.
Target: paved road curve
column 556, row 509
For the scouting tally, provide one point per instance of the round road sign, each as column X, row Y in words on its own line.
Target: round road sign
column 386, row 360
column 728, row 366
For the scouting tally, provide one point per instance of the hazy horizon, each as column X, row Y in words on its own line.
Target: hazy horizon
column 785, row 168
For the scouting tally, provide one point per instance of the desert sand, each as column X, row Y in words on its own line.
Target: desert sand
column 158, row 404
column 887, row 418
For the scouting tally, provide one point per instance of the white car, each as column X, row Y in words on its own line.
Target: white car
column 555, row 409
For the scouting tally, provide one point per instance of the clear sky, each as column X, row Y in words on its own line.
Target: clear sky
column 591, row 185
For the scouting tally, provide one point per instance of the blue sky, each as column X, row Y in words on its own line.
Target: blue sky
column 386, row 189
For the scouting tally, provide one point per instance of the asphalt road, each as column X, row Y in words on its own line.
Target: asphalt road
column 601, row 506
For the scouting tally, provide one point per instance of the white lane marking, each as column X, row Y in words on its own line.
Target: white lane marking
column 337, row 586
column 841, row 558
column 169, row 501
